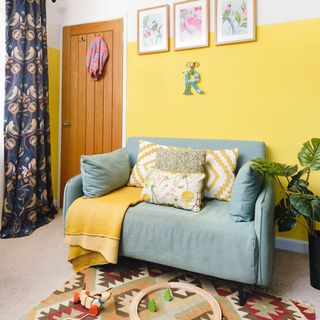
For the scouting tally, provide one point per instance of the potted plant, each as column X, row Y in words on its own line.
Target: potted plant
column 297, row 199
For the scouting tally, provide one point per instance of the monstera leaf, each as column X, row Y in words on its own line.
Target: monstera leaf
column 307, row 205
column 285, row 215
column 273, row 168
column 297, row 178
column 299, row 185
column 297, row 199
column 286, row 223
column 309, row 156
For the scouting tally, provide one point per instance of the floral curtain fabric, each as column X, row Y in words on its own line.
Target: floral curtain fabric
column 2, row 77
column 28, row 200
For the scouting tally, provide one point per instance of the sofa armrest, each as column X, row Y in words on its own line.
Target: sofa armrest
column 72, row 191
column 264, row 228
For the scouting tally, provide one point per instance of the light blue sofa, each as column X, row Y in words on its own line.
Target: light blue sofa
column 209, row 242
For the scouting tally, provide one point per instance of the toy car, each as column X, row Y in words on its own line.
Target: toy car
column 92, row 302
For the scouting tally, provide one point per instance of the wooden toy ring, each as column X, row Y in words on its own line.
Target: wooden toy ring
column 134, row 315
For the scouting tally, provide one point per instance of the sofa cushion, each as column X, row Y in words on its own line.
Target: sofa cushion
column 247, row 149
column 180, row 190
column 208, row 242
column 181, row 160
column 146, row 161
column 103, row 173
column 220, row 167
column 246, row 189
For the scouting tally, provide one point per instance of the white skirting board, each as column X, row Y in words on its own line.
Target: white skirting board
column 292, row 245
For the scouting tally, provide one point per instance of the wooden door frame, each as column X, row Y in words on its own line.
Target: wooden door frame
column 124, row 19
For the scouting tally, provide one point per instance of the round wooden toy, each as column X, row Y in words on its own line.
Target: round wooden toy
column 134, row 315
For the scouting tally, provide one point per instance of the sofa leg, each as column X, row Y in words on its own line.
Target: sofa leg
column 242, row 295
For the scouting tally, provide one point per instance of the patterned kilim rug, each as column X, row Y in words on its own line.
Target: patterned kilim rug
column 131, row 276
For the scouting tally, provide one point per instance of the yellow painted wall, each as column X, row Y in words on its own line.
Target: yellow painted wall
column 54, row 93
column 267, row 90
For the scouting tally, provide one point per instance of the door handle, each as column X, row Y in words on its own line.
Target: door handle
column 66, row 124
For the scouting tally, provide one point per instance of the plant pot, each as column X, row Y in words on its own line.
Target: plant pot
column 314, row 260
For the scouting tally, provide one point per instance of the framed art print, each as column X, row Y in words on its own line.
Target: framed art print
column 153, row 29
column 235, row 21
column 191, row 24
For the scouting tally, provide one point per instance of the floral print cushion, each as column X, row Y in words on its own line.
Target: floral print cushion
column 180, row 190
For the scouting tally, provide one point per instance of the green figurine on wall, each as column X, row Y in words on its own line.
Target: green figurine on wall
column 152, row 306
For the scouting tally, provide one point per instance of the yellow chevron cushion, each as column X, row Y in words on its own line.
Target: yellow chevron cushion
column 220, row 168
column 146, row 160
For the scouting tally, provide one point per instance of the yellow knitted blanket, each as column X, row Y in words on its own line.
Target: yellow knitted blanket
column 93, row 227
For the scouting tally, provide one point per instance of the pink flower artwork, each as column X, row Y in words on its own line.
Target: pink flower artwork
column 244, row 14
column 190, row 23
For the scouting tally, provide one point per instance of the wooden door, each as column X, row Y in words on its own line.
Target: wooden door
column 91, row 110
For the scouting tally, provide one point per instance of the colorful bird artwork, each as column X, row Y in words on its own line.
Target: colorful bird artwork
column 235, row 19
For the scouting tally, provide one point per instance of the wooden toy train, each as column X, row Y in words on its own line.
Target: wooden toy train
column 92, row 302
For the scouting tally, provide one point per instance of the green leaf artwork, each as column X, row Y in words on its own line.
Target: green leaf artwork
column 238, row 17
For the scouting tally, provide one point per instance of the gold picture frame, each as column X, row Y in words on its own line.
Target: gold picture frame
column 153, row 29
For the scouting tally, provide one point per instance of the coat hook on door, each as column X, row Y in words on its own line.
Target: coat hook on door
column 83, row 38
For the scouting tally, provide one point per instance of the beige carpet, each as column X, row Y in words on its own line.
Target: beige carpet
column 32, row 268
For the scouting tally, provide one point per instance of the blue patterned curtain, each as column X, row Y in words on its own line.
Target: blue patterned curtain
column 28, row 201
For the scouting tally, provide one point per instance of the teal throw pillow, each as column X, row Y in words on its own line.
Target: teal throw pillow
column 246, row 189
column 103, row 173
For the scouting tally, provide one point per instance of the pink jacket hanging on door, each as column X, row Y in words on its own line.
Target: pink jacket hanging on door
column 96, row 57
